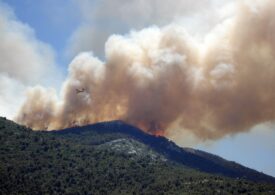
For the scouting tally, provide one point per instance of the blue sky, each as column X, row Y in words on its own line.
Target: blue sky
column 254, row 149
column 70, row 26
column 53, row 22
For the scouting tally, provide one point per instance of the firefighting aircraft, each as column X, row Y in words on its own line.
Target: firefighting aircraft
column 79, row 90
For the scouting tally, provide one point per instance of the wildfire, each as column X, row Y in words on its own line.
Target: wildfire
column 159, row 133
column 152, row 128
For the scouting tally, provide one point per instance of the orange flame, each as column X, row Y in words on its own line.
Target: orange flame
column 159, row 133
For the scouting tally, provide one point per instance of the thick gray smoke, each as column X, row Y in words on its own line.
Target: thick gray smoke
column 158, row 77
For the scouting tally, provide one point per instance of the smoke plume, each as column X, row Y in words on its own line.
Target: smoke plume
column 24, row 61
column 158, row 77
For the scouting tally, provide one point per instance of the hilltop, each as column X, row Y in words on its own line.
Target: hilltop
column 108, row 158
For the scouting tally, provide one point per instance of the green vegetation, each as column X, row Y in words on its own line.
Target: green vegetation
column 93, row 163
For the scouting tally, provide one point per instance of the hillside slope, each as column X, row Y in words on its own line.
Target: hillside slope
column 189, row 157
column 78, row 161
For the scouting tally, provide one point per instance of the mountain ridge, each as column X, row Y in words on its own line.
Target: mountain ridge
column 81, row 160
column 190, row 157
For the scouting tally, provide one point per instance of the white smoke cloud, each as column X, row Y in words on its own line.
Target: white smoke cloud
column 102, row 19
column 160, row 78
column 24, row 61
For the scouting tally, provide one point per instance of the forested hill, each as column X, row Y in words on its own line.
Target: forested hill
column 94, row 162
column 189, row 157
